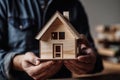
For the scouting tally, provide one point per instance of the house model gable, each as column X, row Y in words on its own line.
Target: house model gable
column 58, row 39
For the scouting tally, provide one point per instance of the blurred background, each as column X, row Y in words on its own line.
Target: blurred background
column 104, row 20
column 102, row 12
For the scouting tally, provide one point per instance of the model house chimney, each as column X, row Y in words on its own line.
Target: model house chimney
column 66, row 14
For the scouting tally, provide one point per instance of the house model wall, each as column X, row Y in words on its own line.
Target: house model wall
column 58, row 39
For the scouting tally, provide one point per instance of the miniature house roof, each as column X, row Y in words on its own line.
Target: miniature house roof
column 63, row 20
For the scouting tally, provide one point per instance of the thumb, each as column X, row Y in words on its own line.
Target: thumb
column 83, row 40
column 32, row 58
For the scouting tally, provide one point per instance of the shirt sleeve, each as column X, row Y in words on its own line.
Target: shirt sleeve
column 6, row 55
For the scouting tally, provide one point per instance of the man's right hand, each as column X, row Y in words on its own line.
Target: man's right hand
column 34, row 68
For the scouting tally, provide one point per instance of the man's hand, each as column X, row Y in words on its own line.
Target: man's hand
column 34, row 68
column 85, row 61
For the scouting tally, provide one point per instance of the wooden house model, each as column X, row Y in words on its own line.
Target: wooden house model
column 58, row 39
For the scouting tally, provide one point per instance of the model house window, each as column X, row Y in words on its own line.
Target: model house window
column 54, row 35
column 61, row 35
column 57, row 35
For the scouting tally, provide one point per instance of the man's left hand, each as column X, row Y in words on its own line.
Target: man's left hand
column 84, row 63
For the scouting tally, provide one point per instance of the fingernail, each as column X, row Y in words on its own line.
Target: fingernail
column 79, row 58
column 37, row 61
column 52, row 62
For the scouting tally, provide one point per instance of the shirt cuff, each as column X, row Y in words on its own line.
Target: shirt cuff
column 7, row 65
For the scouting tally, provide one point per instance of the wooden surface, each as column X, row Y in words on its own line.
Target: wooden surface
column 101, row 77
column 109, row 68
column 111, row 72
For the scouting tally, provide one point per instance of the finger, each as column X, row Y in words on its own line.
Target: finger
column 77, row 64
column 55, row 68
column 69, row 65
column 83, row 40
column 50, row 71
column 83, row 49
column 86, row 59
column 81, row 66
column 83, row 46
column 75, row 68
column 43, row 66
column 55, row 63
column 32, row 58
column 35, row 70
column 89, row 57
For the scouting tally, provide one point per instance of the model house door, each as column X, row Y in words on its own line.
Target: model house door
column 57, row 50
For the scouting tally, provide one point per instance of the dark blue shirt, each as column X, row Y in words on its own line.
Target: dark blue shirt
column 20, row 22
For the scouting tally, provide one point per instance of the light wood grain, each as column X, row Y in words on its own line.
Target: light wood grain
column 69, row 45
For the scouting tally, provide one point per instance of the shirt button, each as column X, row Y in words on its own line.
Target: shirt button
column 21, row 27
